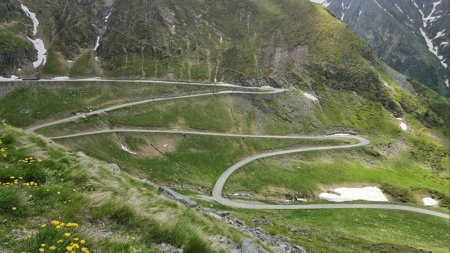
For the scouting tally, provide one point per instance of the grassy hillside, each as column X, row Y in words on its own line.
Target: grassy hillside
column 292, row 44
column 29, row 103
column 56, row 200
column 355, row 230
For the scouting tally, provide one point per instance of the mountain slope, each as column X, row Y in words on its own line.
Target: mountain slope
column 52, row 199
column 412, row 36
column 188, row 41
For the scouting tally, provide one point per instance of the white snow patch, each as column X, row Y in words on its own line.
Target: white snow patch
column 403, row 125
column 432, row 48
column 61, row 78
column 9, row 79
column 439, row 34
column 107, row 17
column 42, row 52
column 398, row 8
column 430, row 17
column 428, row 40
column 310, row 96
column 38, row 43
column 351, row 194
column 97, row 43
column 124, row 148
column 430, row 202
column 388, row 86
column 32, row 16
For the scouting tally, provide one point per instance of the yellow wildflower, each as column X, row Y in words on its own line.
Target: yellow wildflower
column 60, row 241
column 43, row 225
column 72, row 224
column 52, row 248
column 41, row 250
column 82, row 241
column 66, row 234
column 14, row 208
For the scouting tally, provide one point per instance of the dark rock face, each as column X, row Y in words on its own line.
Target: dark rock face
column 398, row 31
column 9, row 62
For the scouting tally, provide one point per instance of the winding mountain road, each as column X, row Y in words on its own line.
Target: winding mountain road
column 218, row 188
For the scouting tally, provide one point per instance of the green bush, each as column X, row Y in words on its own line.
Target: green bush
column 400, row 194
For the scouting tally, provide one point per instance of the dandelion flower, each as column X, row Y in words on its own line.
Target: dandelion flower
column 41, row 250
column 43, row 225
column 60, row 241
column 72, row 224
column 66, row 234
column 14, row 208
column 52, row 248
column 82, row 241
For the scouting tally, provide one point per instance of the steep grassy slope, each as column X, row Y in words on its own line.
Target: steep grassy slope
column 355, row 230
column 24, row 104
column 413, row 162
column 43, row 186
column 196, row 41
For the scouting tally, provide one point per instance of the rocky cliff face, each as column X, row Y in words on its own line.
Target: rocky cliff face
column 15, row 49
column 410, row 35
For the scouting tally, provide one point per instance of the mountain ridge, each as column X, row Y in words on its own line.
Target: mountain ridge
column 412, row 36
